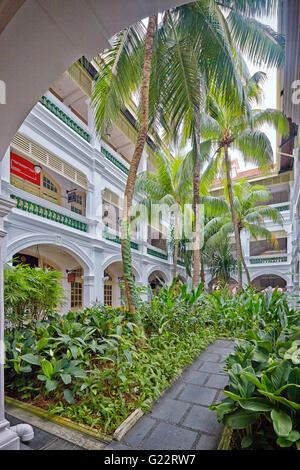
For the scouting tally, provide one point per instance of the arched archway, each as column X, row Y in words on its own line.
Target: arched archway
column 47, row 256
column 114, row 292
column 268, row 280
column 214, row 283
column 156, row 280
column 181, row 279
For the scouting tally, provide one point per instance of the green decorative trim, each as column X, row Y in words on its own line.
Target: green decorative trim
column 114, row 160
column 65, row 118
column 157, row 253
column 282, row 259
column 283, row 208
column 181, row 263
column 50, row 214
column 116, row 239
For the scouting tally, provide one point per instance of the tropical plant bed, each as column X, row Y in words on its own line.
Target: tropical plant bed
column 262, row 404
column 38, row 411
column 97, row 366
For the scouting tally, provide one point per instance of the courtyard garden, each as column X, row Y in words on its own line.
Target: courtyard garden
column 198, row 104
column 98, row 365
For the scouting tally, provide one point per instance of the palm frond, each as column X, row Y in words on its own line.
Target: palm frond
column 259, row 42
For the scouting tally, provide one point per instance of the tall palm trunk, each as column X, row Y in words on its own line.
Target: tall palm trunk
column 175, row 245
column 196, row 209
column 238, row 244
column 202, row 272
column 138, row 151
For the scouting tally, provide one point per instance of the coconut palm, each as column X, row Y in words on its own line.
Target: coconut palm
column 190, row 38
column 220, row 261
column 164, row 186
column 230, row 126
column 250, row 216
column 118, row 79
column 194, row 59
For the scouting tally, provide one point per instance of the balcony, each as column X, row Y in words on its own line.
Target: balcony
column 158, row 253
column 114, row 236
column 42, row 208
column 114, row 158
column 64, row 114
column 268, row 259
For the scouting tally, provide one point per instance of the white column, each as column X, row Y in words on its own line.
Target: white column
column 8, row 439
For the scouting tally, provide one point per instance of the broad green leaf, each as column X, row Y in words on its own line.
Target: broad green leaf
column 279, row 399
column 32, row 359
column 51, row 385
column 128, row 356
column 66, row 378
column 246, row 442
column 294, row 436
column 284, row 442
column 280, row 374
column 25, row 369
column 41, row 344
column 282, row 422
column 233, row 396
column 69, row 397
column 47, row 368
column 240, row 419
column 74, row 351
column 41, row 377
column 256, row 404
column 294, row 392
column 223, row 408
column 252, row 378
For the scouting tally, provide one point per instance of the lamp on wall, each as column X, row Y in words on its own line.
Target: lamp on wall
column 37, row 169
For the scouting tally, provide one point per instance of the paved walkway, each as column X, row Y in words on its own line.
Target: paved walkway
column 181, row 419
column 43, row 440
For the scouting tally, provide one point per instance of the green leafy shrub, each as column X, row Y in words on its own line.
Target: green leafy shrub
column 250, row 310
column 263, row 396
column 96, row 366
column 31, row 294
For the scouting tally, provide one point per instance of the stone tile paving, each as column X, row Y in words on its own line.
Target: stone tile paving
column 43, row 440
column 181, row 419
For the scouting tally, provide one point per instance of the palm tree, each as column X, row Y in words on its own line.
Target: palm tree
column 166, row 187
column 125, row 55
column 231, row 126
column 204, row 46
column 250, row 216
column 220, row 260
column 192, row 48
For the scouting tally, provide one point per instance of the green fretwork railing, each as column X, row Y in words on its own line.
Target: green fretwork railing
column 114, row 160
column 50, row 214
column 180, row 263
column 116, row 239
column 282, row 259
column 158, row 254
column 65, row 118
column 283, row 208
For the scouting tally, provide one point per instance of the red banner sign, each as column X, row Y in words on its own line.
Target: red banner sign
column 24, row 169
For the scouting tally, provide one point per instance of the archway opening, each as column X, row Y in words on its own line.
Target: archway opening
column 156, row 280
column 269, row 280
column 114, row 290
column 214, row 284
column 55, row 257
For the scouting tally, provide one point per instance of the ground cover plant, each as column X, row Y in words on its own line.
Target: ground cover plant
column 97, row 365
column 262, row 403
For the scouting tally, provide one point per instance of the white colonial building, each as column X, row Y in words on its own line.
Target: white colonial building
column 68, row 187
